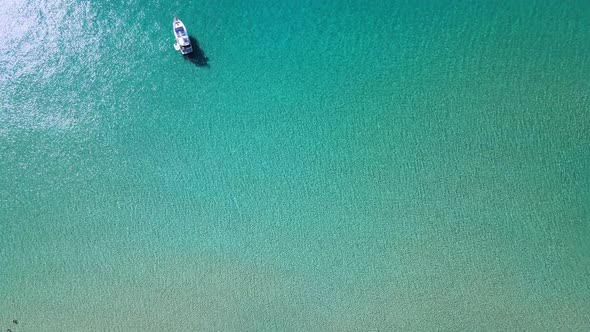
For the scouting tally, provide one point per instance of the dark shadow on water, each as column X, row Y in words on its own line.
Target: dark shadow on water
column 197, row 57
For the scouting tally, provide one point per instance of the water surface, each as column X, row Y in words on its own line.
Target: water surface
column 349, row 166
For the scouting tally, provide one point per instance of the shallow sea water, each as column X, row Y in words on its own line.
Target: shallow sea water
column 347, row 166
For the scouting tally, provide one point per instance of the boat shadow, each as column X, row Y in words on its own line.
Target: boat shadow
column 198, row 56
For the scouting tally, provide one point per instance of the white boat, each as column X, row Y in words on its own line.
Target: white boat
column 183, row 43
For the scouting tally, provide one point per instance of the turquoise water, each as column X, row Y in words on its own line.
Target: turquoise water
column 349, row 166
